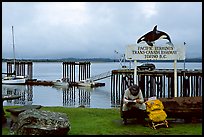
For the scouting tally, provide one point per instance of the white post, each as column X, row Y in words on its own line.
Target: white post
column 14, row 56
column 135, row 72
column 175, row 79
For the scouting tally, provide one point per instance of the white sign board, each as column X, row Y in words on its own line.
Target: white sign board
column 146, row 52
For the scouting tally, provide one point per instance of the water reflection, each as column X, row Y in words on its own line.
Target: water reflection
column 71, row 96
column 25, row 91
column 85, row 97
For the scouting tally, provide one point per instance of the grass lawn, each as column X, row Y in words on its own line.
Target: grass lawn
column 94, row 121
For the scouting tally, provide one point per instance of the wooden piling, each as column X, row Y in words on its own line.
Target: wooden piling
column 20, row 67
column 159, row 83
column 69, row 70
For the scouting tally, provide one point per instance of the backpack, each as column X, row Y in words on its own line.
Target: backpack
column 155, row 109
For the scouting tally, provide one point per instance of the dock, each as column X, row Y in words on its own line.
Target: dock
column 35, row 82
column 97, row 84
column 158, row 82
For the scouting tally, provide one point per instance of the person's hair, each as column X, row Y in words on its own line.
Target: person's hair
column 134, row 90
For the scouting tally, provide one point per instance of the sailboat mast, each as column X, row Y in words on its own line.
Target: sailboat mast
column 14, row 61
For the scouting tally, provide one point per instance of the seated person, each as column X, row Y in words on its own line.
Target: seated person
column 133, row 98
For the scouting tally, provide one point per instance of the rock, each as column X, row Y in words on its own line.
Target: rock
column 41, row 122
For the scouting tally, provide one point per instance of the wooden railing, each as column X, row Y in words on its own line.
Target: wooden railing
column 159, row 83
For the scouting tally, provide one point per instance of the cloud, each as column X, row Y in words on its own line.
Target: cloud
column 95, row 29
column 62, row 13
column 148, row 9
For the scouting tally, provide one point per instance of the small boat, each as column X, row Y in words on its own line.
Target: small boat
column 14, row 79
column 86, row 83
column 61, row 82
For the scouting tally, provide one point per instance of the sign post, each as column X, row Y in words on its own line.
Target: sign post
column 135, row 72
column 175, row 79
column 145, row 52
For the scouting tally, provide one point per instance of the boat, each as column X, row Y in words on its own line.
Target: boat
column 61, row 82
column 13, row 78
column 86, row 83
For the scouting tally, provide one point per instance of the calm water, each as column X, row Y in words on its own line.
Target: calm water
column 71, row 97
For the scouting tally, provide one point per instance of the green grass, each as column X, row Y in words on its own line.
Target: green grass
column 94, row 121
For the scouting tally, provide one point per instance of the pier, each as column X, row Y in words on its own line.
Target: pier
column 23, row 68
column 159, row 83
column 84, row 72
column 69, row 70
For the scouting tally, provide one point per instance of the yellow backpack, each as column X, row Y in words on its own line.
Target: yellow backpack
column 155, row 109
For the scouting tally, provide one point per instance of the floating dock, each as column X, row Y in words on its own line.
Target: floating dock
column 39, row 82
column 51, row 83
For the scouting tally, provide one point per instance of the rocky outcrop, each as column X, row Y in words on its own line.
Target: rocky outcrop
column 41, row 122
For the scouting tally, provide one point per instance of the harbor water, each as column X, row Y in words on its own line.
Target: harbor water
column 98, row 97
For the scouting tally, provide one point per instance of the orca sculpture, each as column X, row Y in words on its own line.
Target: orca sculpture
column 154, row 35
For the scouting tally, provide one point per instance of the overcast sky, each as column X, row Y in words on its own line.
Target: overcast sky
column 95, row 29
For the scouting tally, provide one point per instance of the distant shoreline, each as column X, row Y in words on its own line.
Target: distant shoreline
column 98, row 60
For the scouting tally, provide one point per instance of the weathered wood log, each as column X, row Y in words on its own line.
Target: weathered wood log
column 183, row 107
